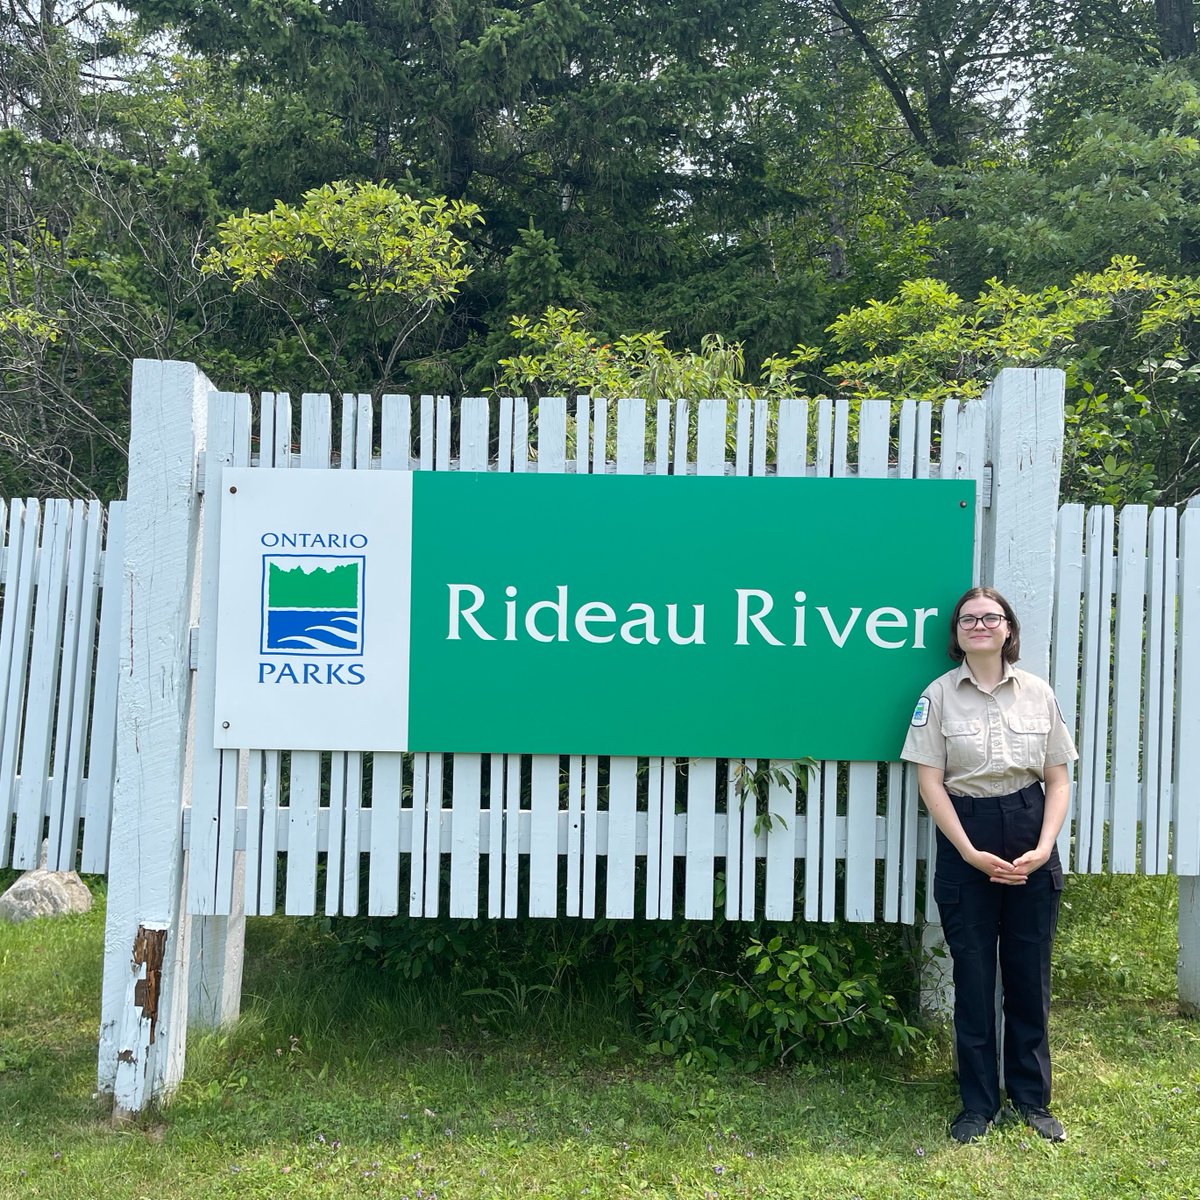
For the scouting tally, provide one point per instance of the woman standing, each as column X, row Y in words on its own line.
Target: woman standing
column 991, row 751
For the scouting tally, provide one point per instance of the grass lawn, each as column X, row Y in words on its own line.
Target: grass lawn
column 336, row 1085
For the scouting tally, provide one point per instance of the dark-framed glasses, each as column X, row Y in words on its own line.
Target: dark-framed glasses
column 987, row 620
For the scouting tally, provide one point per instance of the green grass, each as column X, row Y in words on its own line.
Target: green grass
column 336, row 1084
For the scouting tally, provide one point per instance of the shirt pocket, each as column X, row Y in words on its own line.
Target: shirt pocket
column 964, row 746
column 1029, row 735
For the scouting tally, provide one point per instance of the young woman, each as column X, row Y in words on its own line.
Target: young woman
column 991, row 751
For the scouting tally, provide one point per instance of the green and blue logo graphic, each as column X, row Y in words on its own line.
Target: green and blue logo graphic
column 312, row 604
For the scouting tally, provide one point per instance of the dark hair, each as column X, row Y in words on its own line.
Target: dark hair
column 1012, row 644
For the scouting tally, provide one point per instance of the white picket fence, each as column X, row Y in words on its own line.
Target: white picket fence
column 57, row 714
column 432, row 833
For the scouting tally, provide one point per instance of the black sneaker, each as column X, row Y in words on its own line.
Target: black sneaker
column 968, row 1126
column 1043, row 1122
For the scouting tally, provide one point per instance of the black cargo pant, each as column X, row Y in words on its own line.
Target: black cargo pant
column 978, row 918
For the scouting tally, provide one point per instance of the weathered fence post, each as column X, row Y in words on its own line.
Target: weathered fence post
column 1023, row 409
column 143, row 1022
column 1187, row 762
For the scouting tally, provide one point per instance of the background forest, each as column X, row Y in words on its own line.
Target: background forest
column 866, row 197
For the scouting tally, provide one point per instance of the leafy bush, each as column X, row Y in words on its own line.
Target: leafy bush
column 715, row 993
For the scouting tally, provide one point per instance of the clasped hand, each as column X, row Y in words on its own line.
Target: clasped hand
column 1014, row 873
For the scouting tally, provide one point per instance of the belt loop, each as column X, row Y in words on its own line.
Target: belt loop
column 968, row 807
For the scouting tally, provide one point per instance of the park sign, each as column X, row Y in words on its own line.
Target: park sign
column 583, row 614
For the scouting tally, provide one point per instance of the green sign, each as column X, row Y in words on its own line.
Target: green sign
column 564, row 614
column 642, row 615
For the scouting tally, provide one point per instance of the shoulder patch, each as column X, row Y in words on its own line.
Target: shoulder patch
column 921, row 712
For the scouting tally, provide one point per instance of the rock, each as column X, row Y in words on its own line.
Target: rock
column 44, row 893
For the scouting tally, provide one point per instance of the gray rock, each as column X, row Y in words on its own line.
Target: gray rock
column 44, row 893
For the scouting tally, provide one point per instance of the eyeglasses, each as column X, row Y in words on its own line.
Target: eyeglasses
column 988, row 621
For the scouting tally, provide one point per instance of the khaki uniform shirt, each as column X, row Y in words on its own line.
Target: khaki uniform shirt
column 988, row 744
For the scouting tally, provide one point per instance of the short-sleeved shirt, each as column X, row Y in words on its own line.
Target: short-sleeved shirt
column 988, row 744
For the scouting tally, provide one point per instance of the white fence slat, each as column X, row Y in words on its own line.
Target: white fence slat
column 909, row 841
column 434, row 820
column 1064, row 657
column 442, row 435
column 1127, row 687
column 861, row 806
column 591, row 833
column 791, row 438
column 1093, row 690
column 733, row 842
column 334, row 846
column 829, row 824
column 1156, row 569
column 520, row 436
column 599, row 435
column 395, row 433
column 352, row 861
column 552, row 434
column 543, row 836
column 45, row 659
column 425, row 459
column 741, row 437
column 924, row 465
column 662, row 438
column 970, row 458
column 416, row 859
column 906, row 446
column 504, row 447
column 841, row 438
column 701, row 839
column 101, row 752
column 758, row 457
column 495, row 827
column 631, row 436
column 303, row 825
column 383, row 872
column 574, row 834
column 316, row 430
column 666, row 874
column 255, row 807
column 21, row 546
column 949, row 448
column 464, row 843
column 654, row 821
column 824, row 459
column 1186, row 795
column 583, row 438
column 268, row 870
column 622, row 837
column 473, row 433
column 812, row 844
column 710, row 437
column 894, row 848
column 679, row 458
column 512, row 832
column 1166, row 728
column 749, row 807
column 874, row 438
column 780, row 868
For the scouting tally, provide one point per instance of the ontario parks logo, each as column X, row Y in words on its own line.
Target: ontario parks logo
column 312, row 604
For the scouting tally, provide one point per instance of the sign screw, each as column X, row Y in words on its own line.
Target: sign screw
column 961, row 503
column 224, row 724
column 232, row 490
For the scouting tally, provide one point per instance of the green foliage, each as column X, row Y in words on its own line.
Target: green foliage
column 394, row 257
column 723, row 994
